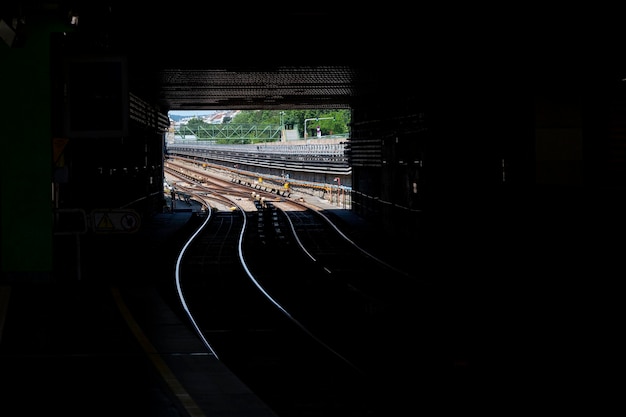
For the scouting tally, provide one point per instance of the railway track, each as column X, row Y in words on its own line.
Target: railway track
column 311, row 322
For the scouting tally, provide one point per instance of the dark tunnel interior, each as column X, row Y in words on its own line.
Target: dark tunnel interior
column 512, row 120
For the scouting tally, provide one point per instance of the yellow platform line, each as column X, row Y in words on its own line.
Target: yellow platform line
column 167, row 374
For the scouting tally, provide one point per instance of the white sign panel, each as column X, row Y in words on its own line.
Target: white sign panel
column 115, row 221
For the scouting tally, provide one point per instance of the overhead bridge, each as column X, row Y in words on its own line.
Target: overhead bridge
column 229, row 133
column 240, row 133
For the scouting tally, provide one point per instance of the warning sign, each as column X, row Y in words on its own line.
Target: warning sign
column 115, row 221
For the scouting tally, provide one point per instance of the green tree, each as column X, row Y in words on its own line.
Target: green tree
column 337, row 124
column 198, row 127
column 195, row 122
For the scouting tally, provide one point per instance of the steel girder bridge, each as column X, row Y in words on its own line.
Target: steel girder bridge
column 229, row 133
